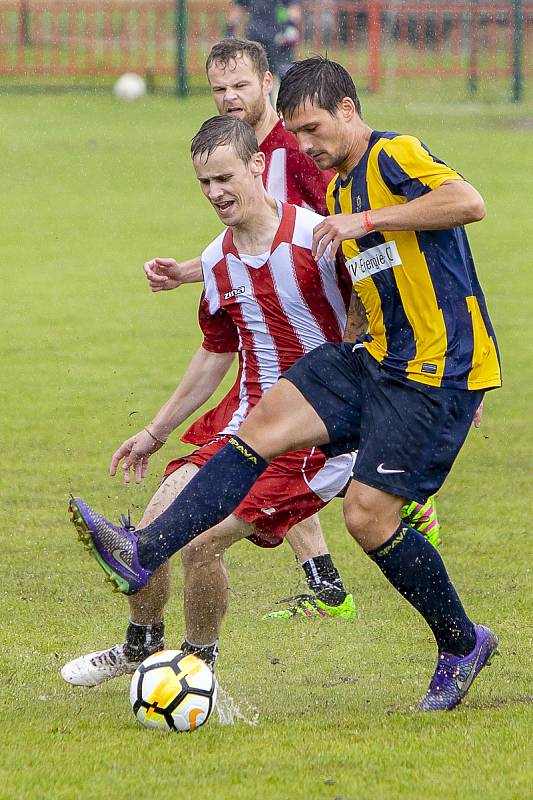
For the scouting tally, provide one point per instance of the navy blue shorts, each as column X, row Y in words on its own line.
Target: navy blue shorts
column 407, row 434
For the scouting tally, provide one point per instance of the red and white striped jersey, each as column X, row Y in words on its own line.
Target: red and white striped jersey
column 272, row 308
column 290, row 175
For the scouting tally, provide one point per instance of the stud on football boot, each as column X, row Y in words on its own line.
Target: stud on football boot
column 114, row 547
column 455, row 674
column 423, row 518
column 305, row 606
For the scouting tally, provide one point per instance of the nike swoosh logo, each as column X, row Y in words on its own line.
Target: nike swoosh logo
column 383, row 471
column 464, row 686
column 117, row 555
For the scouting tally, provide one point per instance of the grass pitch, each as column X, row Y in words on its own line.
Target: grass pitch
column 92, row 189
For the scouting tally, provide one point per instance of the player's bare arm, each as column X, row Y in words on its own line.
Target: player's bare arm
column 164, row 274
column 202, row 377
column 356, row 322
column 452, row 204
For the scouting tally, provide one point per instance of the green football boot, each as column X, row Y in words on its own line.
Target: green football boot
column 305, row 606
column 423, row 518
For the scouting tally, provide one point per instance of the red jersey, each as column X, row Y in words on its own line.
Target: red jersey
column 290, row 175
column 272, row 308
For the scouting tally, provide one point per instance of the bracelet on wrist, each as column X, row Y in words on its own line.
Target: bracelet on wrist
column 367, row 222
column 152, row 436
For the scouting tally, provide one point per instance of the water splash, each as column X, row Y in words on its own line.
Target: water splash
column 229, row 712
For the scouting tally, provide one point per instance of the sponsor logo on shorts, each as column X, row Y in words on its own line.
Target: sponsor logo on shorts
column 374, row 260
column 242, row 449
column 383, row 471
column 268, row 511
column 234, row 292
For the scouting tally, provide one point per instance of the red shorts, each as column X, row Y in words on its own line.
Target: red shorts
column 293, row 487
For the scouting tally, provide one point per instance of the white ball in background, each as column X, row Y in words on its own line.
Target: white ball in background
column 130, row 86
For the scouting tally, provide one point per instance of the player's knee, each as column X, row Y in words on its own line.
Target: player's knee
column 358, row 520
column 203, row 550
column 362, row 514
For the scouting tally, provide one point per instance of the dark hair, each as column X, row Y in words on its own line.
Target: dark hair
column 229, row 49
column 316, row 80
column 223, row 130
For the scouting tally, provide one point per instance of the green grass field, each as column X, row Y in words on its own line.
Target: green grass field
column 91, row 189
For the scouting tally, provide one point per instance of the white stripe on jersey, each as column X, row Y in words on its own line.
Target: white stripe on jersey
column 332, row 291
column 264, row 346
column 306, row 329
column 239, row 415
column 305, row 222
column 276, row 180
column 212, row 254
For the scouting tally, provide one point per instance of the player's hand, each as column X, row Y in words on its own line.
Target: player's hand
column 163, row 274
column 134, row 453
column 333, row 231
column 478, row 416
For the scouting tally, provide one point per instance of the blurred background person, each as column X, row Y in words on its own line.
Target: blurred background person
column 273, row 23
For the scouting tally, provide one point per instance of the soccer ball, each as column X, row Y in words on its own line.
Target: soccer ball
column 130, row 86
column 173, row 691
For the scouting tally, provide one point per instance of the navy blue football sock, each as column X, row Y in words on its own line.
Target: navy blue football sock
column 416, row 570
column 210, row 497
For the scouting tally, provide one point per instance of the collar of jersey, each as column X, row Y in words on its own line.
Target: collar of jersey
column 284, row 233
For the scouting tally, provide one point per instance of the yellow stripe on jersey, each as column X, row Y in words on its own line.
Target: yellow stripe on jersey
column 349, row 247
column 413, row 280
column 417, row 162
column 422, row 332
column 366, row 289
column 485, row 364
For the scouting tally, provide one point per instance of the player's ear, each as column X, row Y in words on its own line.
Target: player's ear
column 257, row 163
column 347, row 109
column 268, row 81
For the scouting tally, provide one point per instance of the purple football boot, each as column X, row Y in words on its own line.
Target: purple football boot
column 113, row 546
column 455, row 674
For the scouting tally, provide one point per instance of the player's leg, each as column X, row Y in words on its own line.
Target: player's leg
column 328, row 597
column 409, row 439
column 206, row 586
column 415, row 568
column 282, row 421
column 145, row 631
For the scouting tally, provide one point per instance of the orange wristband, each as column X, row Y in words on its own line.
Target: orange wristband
column 367, row 222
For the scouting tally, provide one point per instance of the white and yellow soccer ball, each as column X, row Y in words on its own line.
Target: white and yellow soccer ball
column 173, row 691
column 130, row 86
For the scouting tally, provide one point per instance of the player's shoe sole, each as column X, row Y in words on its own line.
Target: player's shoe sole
column 105, row 542
column 455, row 675
column 308, row 606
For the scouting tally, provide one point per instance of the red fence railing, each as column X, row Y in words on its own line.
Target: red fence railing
column 373, row 38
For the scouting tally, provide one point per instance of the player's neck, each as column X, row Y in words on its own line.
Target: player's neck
column 358, row 147
column 255, row 235
column 267, row 123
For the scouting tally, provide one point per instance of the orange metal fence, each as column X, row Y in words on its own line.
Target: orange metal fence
column 373, row 38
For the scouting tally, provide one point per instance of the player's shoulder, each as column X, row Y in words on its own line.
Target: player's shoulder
column 279, row 138
column 214, row 252
column 305, row 222
column 394, row 143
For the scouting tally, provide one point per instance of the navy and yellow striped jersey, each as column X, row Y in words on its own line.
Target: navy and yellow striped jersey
column 427, row 317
